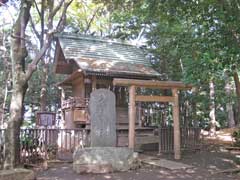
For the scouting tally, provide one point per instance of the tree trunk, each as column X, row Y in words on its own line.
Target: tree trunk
column 212, row 109
column 229, row 104
column 4, row 104
column 12, row 136
column 21, row 76
column 237, row 85
column 43, row 93
column 18, row 55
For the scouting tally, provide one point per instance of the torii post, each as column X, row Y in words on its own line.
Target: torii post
column 175, row 86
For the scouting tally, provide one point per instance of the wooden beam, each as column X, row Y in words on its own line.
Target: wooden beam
column 146, row 139
column 78, row 87
column 132, row 117
column 154, row 98
column 75, row 75
column 63, row 97
column 151, row 83
column 77, row 80
column 104, row 81
column 63, row 69
column 60, row 64
column 94, row 83
column 56, row 57
column 176, row 126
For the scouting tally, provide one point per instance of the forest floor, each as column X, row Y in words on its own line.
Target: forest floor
column 207, row 165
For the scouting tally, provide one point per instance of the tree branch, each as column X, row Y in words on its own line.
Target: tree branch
column 34, row 28
column 33, row 65
column 39, row 13
column 42, row 23
column 19, row 37
column 91, row 20
column 56, row 9
column 62, row 20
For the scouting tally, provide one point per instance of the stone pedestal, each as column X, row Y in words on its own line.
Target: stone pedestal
column 17, row 174
column 103, row 156
column 104, row 160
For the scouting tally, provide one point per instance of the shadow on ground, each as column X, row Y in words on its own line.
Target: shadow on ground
column 206, row 165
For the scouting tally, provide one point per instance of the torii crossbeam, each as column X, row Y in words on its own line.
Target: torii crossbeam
column 175, row 86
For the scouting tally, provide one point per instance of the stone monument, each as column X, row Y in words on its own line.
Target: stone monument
column 103, row 156
column 103, row 118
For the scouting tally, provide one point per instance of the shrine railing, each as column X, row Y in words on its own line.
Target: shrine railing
column 149, row 116
column 38, row 144
column 190, row 139
column 75, row 102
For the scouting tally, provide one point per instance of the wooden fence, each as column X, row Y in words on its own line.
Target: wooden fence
column 37, row 144
column 190, row 139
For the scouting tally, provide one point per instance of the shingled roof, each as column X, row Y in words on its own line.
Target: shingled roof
column 101, row 56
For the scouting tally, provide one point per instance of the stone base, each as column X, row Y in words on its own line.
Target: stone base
column 104, row 160
column 17, row 174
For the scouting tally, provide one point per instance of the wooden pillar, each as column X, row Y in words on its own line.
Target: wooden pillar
column 63, row 96
column 176, row 125
column 132, row 117
column 82, row 88
column 94, row 83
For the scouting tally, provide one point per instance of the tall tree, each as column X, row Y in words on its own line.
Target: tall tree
column 229, row 103
column 89, row 18
column 22, row 72
column 197, row 41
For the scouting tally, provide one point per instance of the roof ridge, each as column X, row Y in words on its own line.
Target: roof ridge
column 94, row 38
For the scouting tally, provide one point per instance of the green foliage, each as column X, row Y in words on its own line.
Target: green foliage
column 193, row 41
column 88, row 17
column 28, row 142
column 34, row 88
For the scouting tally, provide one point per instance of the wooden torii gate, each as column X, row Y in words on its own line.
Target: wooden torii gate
column 133, row 98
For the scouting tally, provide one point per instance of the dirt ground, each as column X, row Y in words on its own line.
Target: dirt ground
column 206, row 164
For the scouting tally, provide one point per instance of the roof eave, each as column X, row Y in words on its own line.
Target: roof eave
column 122, row 74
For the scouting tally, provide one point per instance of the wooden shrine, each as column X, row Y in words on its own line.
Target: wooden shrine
column 91, row 63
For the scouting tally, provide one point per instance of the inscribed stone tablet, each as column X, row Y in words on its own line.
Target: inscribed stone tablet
column 103, row 118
